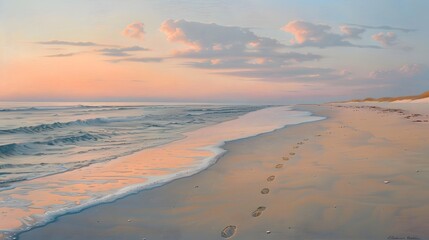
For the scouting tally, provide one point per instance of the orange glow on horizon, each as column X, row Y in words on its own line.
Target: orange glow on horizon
column 91, row 77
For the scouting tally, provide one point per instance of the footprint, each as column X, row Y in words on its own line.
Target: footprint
column 265, row 190
column 292, row 153
column 229, row 231
column 285, row 158
column 295, row 147
column 271, row 178
column 258, row 211
column 279, row 165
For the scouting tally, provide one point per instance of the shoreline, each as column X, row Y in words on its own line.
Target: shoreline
column 215, row 158
column 215, row 152
column 188, row 204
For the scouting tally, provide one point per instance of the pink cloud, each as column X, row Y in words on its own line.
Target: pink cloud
column 386, row 39
column 306, row 32
column 134, row 30
column 174, row 33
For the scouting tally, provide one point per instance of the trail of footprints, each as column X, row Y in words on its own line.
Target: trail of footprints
column 229, row 231
column 258, row 211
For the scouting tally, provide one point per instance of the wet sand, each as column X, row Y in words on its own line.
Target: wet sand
column 361, row 174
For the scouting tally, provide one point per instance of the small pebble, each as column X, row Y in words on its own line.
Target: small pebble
column 268, row 232
column 386, row 182
column 129, row 220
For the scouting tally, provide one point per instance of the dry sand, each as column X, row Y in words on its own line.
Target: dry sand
column 361, row 174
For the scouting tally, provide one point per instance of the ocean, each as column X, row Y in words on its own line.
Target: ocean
column 58, row 158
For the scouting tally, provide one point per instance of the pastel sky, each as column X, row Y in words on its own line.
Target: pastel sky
column 244, row 51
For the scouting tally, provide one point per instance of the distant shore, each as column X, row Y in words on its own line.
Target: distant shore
column 360, row 174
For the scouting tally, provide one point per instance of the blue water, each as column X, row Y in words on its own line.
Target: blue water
column 40, row 139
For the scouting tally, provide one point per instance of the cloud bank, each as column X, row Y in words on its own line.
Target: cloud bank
column 212, row 39
column 212, row 46
column 242, row 53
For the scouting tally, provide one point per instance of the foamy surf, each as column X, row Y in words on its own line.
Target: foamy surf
column 44, row 140
column 38, row 201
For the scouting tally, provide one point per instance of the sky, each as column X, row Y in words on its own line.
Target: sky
column 226, row 51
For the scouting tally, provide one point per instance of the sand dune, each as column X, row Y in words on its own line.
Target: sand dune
column 421, row 98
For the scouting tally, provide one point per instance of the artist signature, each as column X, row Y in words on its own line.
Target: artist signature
column 402, row 237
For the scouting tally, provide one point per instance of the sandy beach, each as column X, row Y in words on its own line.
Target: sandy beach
column 360, row 174
column 214, row 120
